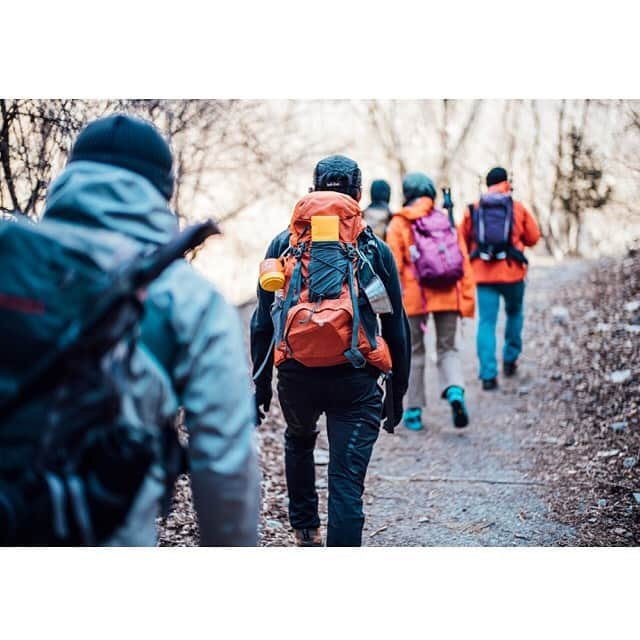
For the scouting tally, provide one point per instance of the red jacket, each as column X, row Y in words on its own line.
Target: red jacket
column 417, row 300
column 525, row 234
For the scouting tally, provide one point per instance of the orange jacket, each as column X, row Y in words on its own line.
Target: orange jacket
column 525, row 234
column 418, row 300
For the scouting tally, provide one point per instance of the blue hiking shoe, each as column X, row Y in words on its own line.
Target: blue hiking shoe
column 455, row 397
column 412, row 419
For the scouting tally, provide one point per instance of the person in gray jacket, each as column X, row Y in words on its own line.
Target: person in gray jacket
column 120, row 177
column 378, row 214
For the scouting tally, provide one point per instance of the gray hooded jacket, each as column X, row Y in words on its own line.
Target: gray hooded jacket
column 197, row 338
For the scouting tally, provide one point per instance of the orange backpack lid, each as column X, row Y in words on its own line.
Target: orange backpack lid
column 327, row 203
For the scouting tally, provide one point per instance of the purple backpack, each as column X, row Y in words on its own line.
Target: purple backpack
column 492, row 226
column 436, row 254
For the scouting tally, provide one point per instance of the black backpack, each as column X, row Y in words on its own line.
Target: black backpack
column 71, row 301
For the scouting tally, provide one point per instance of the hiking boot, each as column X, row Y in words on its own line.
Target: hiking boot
column 307, row 537
column 412, row 419
column 455, row 397
column 510, row 368
column 490, row 384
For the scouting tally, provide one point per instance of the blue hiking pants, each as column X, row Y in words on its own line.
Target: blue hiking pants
column 489, row 304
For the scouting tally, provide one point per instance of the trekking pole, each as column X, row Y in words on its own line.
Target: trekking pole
column 448, row 204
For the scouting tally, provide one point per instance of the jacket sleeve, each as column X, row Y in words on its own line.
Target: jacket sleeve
column 210, row 373
column 396, row 244
column 395, row 326
column 531, row 231
column 466, row 229
column 261, row 323
column 467, row 284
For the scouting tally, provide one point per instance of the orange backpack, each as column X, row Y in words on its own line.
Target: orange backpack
column 316, row 315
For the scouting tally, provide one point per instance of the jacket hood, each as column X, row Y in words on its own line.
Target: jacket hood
column 101, row 195
column 500, row 187
column 417, row 209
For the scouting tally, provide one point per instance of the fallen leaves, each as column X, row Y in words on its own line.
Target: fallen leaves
column 592, row 362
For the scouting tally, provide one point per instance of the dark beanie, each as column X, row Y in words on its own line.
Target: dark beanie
column 417, row 185
column 496, row 176
column 380, row 191
column 128, row 142
column 338, row 173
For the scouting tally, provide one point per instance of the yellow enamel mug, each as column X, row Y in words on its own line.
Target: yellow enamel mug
column 271, row 274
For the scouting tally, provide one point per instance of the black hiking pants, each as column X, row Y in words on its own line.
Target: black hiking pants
column 352, row 402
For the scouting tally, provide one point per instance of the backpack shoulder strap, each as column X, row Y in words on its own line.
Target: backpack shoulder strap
column 514, row 253
column 509, row 208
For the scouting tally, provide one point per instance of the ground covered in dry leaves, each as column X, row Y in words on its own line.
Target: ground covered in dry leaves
column 589, row 345
column 551, row 458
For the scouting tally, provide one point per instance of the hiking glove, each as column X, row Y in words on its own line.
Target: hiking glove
column 263, row 399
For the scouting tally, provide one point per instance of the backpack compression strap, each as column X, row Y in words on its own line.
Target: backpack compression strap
column 353, row 355
column 293, row 292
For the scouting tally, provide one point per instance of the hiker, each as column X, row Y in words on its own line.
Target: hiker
column 378, row 214
column 321, row 332
column 419, row 235
column 119, row 178
column 496, row 230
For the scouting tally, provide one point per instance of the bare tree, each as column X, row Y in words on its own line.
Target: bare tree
column 386, row 130
column 228, row 153
column 450, row 146
column 34, row 138
column 232, row 154
column 581, row 187
column 578, row 184
column 448, row 122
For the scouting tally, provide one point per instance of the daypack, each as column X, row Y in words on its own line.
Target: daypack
column 492, row 223
column 73, row 451
column 437, row 258
column 318, row 314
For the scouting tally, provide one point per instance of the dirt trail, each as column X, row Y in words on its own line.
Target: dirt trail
column 474, row 486
column 531, row 459
column 446, row 486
